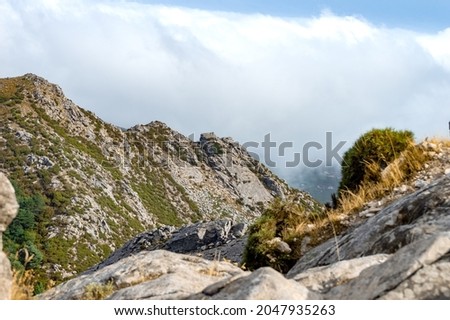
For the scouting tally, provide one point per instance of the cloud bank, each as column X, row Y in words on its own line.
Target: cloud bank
column 240, row 75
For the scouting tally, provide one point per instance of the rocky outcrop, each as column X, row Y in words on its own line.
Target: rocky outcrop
column 416, row 216
column 8, row 210
column 322, row 279
column 148, row 275
column 213, row 240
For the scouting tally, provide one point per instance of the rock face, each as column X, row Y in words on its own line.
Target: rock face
column 421, row 265
column 419, row 215
column 212, row 240
column 322, row 279
column 8, row 210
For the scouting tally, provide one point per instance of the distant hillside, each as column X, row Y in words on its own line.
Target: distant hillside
column 86, row 187
column 320, row 182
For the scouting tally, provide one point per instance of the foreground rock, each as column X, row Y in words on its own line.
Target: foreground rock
column 263, row 284
column 147, row 275
column 8, row 210
column 322, row 279
column 417, row 271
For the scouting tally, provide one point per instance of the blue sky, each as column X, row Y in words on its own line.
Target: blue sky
column 418, row 15
column 298, row 70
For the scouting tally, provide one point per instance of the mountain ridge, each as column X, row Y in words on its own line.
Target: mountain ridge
column 95, row 186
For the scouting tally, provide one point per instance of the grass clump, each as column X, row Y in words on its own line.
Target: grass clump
column 23, row 285
column 287, row 221
column 98, row 291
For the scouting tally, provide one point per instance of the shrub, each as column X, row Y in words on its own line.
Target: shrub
column 370, row 154
column 285, row 220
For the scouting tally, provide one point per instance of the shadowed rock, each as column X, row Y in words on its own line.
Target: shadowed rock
column 8, row 210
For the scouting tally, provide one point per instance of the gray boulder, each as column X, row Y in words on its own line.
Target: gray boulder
column 424, row 264
column 198, row 236
column 8, row 210
column 262, row 284
column 147, row 275
column 322, row 279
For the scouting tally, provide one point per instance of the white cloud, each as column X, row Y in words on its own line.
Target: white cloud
column 237, row 74
column 438, row 46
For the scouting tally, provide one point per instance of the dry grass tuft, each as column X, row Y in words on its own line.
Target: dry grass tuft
column 400, row 170
column 23, row 285
column 98, row 291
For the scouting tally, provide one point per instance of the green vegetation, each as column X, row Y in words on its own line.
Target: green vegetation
column 22, row 239
column 383, row 179
column 153, row 196
column 12, row 91
column 285, row 220
column 81, row 144
column 21, row 233
column 376, row 148
column 184, row 195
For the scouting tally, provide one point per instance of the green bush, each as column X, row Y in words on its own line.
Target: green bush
column 21, row 233
column 280, row 220
column 377, row 147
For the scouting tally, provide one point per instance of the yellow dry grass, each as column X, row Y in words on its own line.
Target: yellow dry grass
column 400, row 170
column 23, row 285
column 326, row 226
column 98, row 291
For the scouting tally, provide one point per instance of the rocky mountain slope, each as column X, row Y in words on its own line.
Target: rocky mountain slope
column 402, row 251
column 87, row 186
